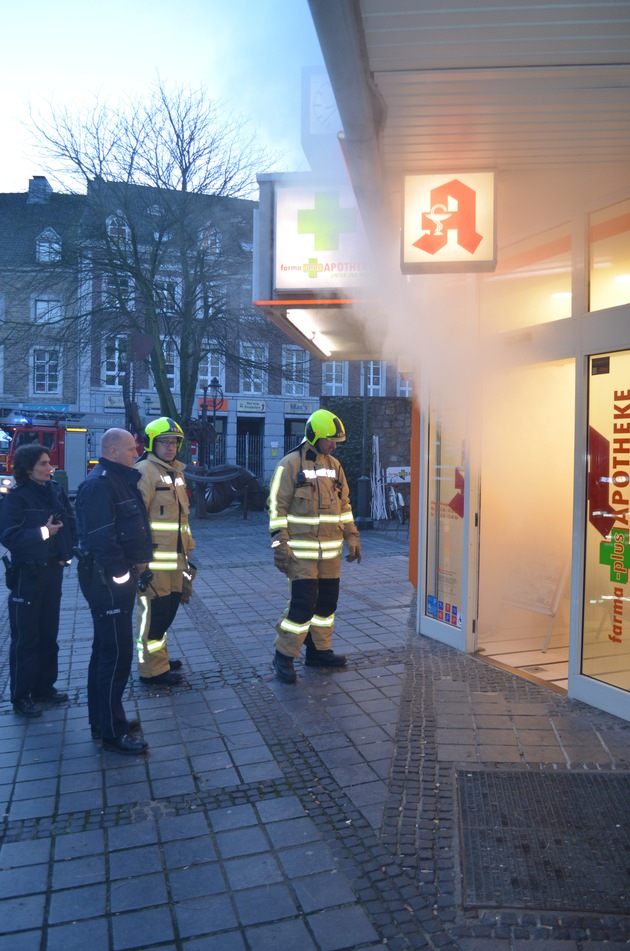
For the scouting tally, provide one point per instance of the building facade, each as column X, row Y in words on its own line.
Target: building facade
column 89, row 282
column 515, row 321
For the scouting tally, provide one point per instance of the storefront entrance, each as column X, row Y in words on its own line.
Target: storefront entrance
column 526, row 505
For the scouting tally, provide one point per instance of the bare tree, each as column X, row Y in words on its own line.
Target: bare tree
column 164, row 245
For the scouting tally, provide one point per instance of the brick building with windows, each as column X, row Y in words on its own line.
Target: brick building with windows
column 76, row 313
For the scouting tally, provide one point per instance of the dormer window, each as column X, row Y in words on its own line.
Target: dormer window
column 210, row 240
column 118, row 230
column 48, row 247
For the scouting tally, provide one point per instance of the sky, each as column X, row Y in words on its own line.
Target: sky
column 248, row 53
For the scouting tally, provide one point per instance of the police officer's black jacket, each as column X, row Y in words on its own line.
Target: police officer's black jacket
column 112, row 519
column 23, row 512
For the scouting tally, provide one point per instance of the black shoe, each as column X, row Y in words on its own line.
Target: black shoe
column 175, row 664
column 25, row 707
column 52, row 695
column 129, row 744
column 283, row 666
column 133, row 726
column 168, row 678
column 315, row 658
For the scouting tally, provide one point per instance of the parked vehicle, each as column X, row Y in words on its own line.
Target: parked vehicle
column 68, row 447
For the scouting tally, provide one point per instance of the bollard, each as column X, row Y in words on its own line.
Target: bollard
column 202, row 510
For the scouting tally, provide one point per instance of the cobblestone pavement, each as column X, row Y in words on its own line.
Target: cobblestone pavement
column 345, row 812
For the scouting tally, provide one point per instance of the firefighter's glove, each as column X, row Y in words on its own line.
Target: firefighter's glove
column 282, row 555
column 354, row 549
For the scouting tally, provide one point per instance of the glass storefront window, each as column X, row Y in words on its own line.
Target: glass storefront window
column 445, row 536
column 527, row 463
column 606, row 635
column 531, row 284
column 609, row 240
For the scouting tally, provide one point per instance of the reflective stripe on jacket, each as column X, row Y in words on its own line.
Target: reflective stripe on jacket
column 163, row 489
column 309, row 504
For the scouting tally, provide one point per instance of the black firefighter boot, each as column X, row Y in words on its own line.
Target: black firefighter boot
column 283, row 666
column 315, row 658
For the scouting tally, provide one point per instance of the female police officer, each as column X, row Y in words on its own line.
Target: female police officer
column 37, row 526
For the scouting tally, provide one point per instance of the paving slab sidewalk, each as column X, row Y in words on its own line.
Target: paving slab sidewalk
column 324, row 815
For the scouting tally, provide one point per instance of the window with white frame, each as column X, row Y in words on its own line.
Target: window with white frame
column 245, row 299
column 45, row 372
column 118, row 230
column 47, row 310
column 335, row 378
column 294, row 371
column 171, row 361
column 168, row 294
column 211, row 299
column 118, row 291
column 114, row 359
column 48, row 247
column 253, row 362
column 212, row 365
column 375, row 378
column 210, row 240
column 404, row 385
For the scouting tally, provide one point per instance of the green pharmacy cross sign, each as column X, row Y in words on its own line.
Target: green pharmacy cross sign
column 616, row 554
column 326, row 221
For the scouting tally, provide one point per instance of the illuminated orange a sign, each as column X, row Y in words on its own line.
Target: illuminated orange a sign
column 449, row 223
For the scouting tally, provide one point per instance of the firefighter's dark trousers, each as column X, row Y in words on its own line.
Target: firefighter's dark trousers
column 313, row 596
column 112, row 608
column 34, row 620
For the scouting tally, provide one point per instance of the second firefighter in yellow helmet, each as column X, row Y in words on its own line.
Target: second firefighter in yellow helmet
column 163, row 489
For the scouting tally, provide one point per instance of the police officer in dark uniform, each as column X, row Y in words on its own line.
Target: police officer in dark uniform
column 115, row 540
column 37, row 526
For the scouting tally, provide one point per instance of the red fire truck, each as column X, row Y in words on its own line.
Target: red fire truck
column 68, row 445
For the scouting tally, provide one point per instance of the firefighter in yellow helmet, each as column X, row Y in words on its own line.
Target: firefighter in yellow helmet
column 309, row 518
column 163, row 489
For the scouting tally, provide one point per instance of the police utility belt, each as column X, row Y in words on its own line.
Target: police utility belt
column 88, row 568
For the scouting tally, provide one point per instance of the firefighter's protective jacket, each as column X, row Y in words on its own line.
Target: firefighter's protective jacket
column 309, row 504
column 163, row 489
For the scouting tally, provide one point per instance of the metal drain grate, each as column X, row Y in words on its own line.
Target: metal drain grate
column 550, row 841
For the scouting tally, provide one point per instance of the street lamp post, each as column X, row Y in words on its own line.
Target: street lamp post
column 203, row 439
column 217, row 401
column 203, row 436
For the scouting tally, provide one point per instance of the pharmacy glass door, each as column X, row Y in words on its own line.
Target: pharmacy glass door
column 444, row 576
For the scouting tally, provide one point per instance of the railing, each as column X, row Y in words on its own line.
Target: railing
column 216, row 451
column 249, row 452
column 290, row 442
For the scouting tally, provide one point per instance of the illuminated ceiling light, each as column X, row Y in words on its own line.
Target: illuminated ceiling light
column 322, row 343
column 623, row 278
column 303, row 322
column 561, row 295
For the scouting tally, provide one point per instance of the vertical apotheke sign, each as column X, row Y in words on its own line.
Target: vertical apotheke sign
column 449, row 222
column 606, row 635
